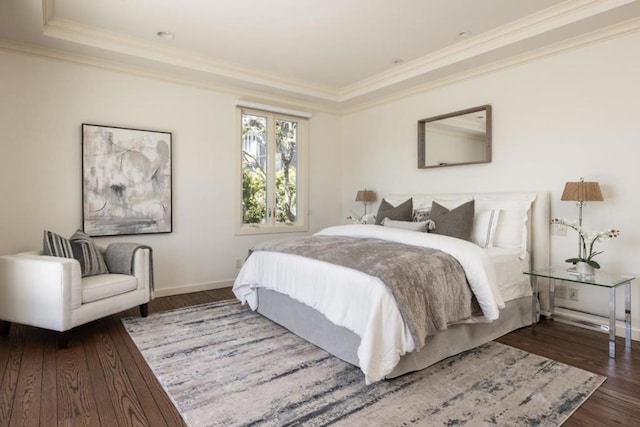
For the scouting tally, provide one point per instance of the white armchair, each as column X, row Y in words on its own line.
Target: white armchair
column 49, row 292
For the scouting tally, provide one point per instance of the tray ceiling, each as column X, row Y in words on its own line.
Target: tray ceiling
column 337, row 54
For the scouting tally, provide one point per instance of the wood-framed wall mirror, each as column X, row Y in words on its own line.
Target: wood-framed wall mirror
column 459, row 138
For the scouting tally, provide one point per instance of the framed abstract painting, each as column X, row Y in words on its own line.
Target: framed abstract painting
column 126, row 181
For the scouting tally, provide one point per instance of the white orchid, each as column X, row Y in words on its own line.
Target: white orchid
column 587, row 240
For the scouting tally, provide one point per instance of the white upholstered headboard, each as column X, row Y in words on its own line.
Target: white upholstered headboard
column 538, row 238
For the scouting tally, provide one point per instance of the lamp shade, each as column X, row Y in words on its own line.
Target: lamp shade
column 366, row 196
column 582, row 192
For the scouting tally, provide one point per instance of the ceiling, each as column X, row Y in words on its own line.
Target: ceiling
column 332, row 54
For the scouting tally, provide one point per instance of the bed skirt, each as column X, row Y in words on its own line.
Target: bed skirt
column 313, row 326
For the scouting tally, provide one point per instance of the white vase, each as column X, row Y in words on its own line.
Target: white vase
column 584, row 268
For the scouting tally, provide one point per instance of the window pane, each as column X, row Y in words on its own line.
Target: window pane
column 254, row 169
column 286, row 164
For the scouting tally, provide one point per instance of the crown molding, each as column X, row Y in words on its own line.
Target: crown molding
column 532, row 25
column 325, row 100
column 135, row 47
column 608, row 33
column 248, row 95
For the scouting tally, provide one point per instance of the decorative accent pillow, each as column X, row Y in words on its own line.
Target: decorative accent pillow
column 402, row 212
column 457, row 222
column 89, row 256
column 80, row 247
column 56, row 245
column 420, row 215
column 484, row 227
column 422, row 226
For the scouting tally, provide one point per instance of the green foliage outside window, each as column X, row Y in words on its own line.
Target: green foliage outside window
column 286, row 195
column 254, row 187
column 253, row 197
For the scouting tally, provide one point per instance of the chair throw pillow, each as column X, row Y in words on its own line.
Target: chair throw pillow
column 457, row 222
column 85, row 250
column 402, row 212
column 56, row 245
column 80, row 247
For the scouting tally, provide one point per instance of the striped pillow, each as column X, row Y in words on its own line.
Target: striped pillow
column 56, row 245
column 80, row 247
column 85, row 251
column 484, row 227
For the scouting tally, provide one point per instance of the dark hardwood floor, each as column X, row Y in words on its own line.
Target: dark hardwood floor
column 102, row 380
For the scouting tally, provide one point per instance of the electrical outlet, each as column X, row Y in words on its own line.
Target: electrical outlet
column 573, row 294
column 559, row 230
column 238, row 263
column 561, row 292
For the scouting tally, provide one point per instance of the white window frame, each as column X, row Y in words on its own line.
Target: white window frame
column 302, row 173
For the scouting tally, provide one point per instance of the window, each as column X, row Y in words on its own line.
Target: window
column 273, row 173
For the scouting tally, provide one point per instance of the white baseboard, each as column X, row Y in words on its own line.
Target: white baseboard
column 573, row 317
column 187, row 289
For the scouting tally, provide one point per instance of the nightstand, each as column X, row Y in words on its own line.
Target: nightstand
column 601, row 279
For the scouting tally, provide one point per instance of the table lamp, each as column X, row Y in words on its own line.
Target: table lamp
column 365, row 196
column 581, row 192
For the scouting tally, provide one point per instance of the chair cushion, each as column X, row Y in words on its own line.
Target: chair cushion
column 102, row 286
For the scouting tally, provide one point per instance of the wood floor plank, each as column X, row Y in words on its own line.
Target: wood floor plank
column 127, row 407
column 76, row 402
column 152, row 395
column 10, row 378
column 49, row 390
column 26, row 406
column 5, row 351
column 102, row 394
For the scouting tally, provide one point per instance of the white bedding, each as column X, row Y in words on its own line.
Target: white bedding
column 509, row 265
column 375, row 318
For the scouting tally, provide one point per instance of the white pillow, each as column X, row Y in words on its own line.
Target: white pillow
column 485, row 224
column 512, row 230
column 407, row 225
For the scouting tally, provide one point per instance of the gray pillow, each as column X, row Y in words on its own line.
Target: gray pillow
column 402, row 212
column 87, row 253
column 457, row 222
column 81, row 247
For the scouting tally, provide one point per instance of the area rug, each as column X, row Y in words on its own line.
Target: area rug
column 223, row 365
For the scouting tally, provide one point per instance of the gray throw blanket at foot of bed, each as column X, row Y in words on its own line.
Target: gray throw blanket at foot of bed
column 429, row 286
column 120, row 259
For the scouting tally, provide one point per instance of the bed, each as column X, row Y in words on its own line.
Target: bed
column 355, row 317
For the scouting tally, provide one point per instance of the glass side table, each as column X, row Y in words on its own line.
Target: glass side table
column 601, row 279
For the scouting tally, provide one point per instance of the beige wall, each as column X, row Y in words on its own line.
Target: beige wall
column 42, row 106
column 554, row 120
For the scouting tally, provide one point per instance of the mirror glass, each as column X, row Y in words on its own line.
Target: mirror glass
column 460, row 138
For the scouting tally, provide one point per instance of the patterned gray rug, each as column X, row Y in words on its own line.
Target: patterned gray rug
column 223, row 365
